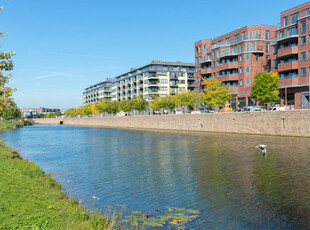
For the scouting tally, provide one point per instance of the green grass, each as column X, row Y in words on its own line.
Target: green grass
column 30, row 199
column 12, row 124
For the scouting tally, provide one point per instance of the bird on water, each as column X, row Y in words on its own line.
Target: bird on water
column 263, row 148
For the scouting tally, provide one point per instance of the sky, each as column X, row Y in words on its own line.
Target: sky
column 64, row 46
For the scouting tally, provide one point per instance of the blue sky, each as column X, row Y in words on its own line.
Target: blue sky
column 63, row 46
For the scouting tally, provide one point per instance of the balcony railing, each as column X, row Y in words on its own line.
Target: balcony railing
column 288, row 34
column 287, row 62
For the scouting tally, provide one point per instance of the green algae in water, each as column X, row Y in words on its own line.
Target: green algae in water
column 173, row 216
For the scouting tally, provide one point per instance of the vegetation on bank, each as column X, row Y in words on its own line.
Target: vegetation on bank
column 215, row 95
column 12, row 124
column 30, row 199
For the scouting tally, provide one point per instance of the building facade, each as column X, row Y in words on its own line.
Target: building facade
column 155, row 79
column 96, row 92
column 234, row 59
column 36, row 111
column 291, row 56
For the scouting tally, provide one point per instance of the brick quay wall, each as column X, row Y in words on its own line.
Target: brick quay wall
column 282, row 123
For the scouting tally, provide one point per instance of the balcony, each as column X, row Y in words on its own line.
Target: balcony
column 206, row 71
column 234, row 77
column 231, row 65
column 287, row 66
column 153, row 83
column 288, row 51
column 173, row 84
column 205, row 61
column 291, row 34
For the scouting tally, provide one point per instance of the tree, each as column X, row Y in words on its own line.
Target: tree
column 11, row 112
column 196, row 99
column 265, row 88
column 125, row 105
column 113, row 107
column 6, row 64
column 156, row 104
column 183, row 99
column 215, row 93
column 139, row 103
column 169, row 102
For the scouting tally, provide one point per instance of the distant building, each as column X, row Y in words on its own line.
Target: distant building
column 158, row 78
column 43, row 110
column 96, row 92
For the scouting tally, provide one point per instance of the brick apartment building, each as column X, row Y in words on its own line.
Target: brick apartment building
column 235, row 58
column 291, row 55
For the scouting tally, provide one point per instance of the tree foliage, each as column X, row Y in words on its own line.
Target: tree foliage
column 6, row 64
column 139, row 103
column 215, row 93
column 265, row 88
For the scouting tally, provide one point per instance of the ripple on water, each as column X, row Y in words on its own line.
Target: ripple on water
column 223, row 176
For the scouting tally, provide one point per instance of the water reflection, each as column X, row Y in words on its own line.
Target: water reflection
column 221, row 175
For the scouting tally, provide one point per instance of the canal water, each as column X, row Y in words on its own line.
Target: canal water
column 218, row 181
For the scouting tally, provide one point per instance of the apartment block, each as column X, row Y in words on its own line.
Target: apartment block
column 96, row 92
column 291, row 56
column 234, row 59
column 157, row 79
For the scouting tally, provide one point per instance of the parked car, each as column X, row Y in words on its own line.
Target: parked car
column 276, row 108
column 237, row 110
column 196, row 112
column 251, row 109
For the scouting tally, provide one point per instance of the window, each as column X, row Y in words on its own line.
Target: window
column 217, row 54
column 253, row 46
column 197, row 61
column 237, row 38
column 257, row 57
column 240, row 58
column 308, row 11
column 204, row 48
column 213, row 54
column 204, row 58
column 275, row 50
column 303, row 56
column 267, row 47
column 285, row 21
column 294, row 18
column 267, row 35
column 243, row 36
column 241, row 82
column 267, row 57
column 227, row 41
column 247, row 57
column 199, row 49
column 303, row 27
column 217, row 63
column 251, row 35
column 240, row 48
column 303, row 72
column 303, row 41
column 182, row 81
column 275, row 63
column 241, row 70
column 248, row 47
column 247, row 69
column 256, row 34
column 213, row 64
column 248, row 81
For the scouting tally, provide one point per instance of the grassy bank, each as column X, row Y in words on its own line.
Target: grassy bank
column 12, row 124
column 30, row 199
